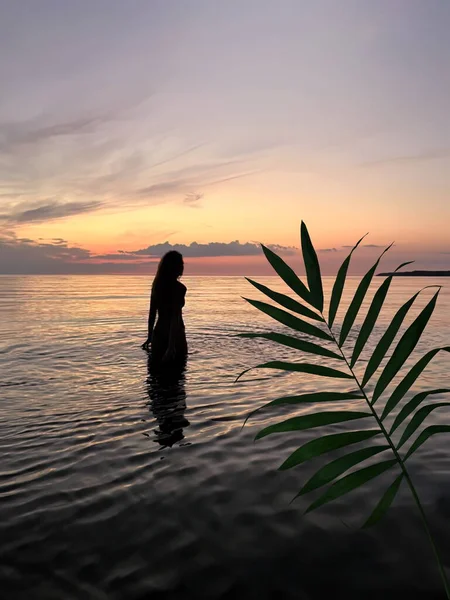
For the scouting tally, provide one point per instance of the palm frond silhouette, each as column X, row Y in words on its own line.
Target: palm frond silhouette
column 387, row 454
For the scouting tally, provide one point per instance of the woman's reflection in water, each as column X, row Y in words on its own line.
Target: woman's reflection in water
column 166, row 390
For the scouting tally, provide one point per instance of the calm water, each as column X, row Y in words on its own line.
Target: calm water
column 111, row 487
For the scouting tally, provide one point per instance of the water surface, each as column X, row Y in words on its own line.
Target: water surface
column 114, row 485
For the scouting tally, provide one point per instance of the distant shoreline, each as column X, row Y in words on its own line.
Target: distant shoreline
column 417, row 274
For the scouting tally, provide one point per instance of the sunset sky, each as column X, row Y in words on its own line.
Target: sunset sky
column 128, row 127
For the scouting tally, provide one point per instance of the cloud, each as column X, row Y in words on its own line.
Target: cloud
column 282, row 249
column 105, row 161
column 120, row 256
column 19, row 255
column 161, row 189
column 23, row 255
column 409, row 158
column 367, row 246
column 48, row 212
column 327, row 250
column 184, row 182
column 180, row 154
column 212, row 249
column 26, row 133
column 192, row 199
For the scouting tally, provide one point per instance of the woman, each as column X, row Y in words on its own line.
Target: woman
column 167, row 337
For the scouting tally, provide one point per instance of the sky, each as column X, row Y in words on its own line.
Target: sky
column 128, row 128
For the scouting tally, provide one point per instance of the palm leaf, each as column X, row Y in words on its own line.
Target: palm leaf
column 338, row 286
column 351, row 482
column 387, row 338
column 333, row 473
column 325, row 444
column 417, row 420
column 312, row 268
column 412, row 405
column 423, row 437
column 409, row 379
column 372, row 316
column 287, row 275
column 289, row 320
column 385, row 502
column 312, row 420
column 286, row 301
column 404, row 348
column 357, row 300
column 337, row 467
column 293, row 342
column 312, row 369
column 309, row 398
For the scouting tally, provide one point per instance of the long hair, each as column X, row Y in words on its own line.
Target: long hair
column 170, row 268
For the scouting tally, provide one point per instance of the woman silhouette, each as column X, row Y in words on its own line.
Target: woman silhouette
column 167, row 337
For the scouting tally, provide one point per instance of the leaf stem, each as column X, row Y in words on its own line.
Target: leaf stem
column 402, row 467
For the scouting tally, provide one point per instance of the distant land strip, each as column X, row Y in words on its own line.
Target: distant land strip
column 416, row 274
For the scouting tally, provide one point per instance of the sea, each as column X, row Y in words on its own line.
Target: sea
column 116, row 486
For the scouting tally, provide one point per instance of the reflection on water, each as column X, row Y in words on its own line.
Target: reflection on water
column 167, row 393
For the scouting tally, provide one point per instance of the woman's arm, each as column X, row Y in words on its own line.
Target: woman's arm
column 151, row 316
column 151, row 322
